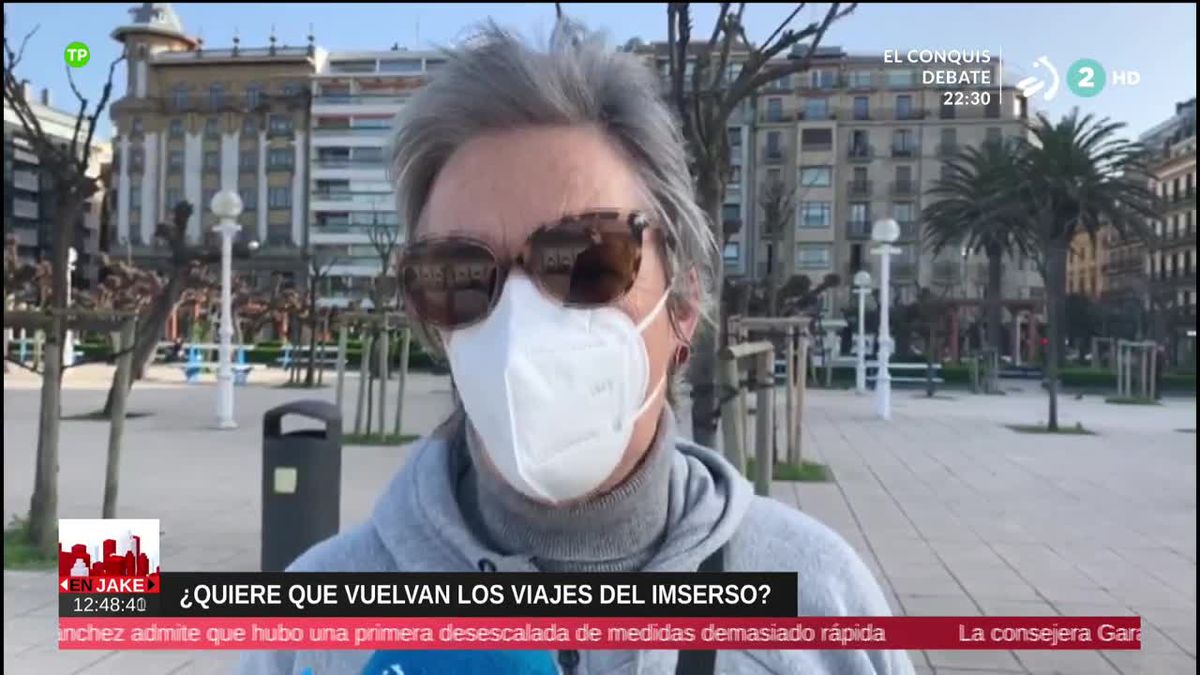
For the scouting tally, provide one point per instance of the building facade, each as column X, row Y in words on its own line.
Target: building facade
column 1171, row 255
column 859, row 139
column 355, row 230
column 29, row 194
column 194, row 121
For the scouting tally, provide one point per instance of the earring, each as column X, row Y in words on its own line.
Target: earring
column 683, row 354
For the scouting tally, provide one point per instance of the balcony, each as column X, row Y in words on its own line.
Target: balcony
column 904, row 151
column 824, row 84
column 774, row 117
column 338, row 163
column 947, row 150
column 1182, row 200
column 858, row 229
column 859, row 188
column 859, row 115
column 947, row 112
column 816, row 147
column 815, row 116
column 860, row 153
column 910, row 230
column 910, row 114
column 358, row 99
column 351, row 131
column 22, row 208
column 857, row 84
column 348, row 195
column 773, row 156
column 903, row 188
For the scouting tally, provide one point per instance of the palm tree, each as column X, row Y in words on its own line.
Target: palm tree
column 1079, row 176
column 971, row 208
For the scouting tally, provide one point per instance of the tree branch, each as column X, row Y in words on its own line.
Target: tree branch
column 782, row 25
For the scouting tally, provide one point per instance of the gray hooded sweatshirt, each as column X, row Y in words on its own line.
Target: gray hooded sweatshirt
column 679, row 506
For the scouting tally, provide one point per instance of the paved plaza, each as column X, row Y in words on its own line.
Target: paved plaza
column 956, row 514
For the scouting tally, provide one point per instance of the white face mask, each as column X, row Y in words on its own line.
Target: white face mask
column 553, row 391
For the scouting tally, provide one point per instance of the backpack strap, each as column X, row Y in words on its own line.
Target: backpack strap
column 702, row 661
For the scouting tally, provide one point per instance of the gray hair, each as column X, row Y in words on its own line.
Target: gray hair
column 497, row 82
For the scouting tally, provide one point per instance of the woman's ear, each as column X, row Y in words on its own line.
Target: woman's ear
column 686, row 313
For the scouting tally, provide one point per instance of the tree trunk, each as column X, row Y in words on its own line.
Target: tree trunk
column 1056, row 267
column 995, row 306
column 703, row 371
column 773, row 265
column 312, row 332
column 149, row 329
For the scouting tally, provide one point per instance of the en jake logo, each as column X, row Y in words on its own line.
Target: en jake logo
column 98, row 555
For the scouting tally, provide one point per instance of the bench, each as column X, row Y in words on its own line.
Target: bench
column 293, row 355
column 197, row 364
column 920, row 370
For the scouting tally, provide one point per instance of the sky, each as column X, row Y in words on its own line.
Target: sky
column 1156, row 40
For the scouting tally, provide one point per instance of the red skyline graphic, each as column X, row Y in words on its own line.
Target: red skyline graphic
column 131, row 562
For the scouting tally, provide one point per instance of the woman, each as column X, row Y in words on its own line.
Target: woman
column 559, row 262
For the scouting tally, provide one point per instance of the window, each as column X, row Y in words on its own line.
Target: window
column 899, row 78
column 774, row 151
column 816, row 214
column 206, row 205
column 249, row 197
column 179, row 97
column 175, row 129
column 136, row 159
column 816, row 176
column 903, row 142
column 860, row 213
column 733, row 251
column 249, row 126
column 860, row 175
column 136, row 126
column 367, row 155
column 858, row 143
column 174, row 161
column 135, row 196
column 774, row 110
column 371, row 123
column 400, row 66
column 816, row 109
column 823, row 79
column 735, row 175
column 812, row 257
column 946, row 111
column 731, row 213
column 253, row 96
column 994, row 135
column 816, row 139
column 735, row 137
column 291, row 89
column 174, row 196
column 903, row 212
column 774, row 176
column 279, row 158
column 280, row 125
column 279, row 197
column 248, row 160
column 904, row 178
column 212, row 161
column 212, row 127
column 862, row 109
column 216, row 96
column 949, row 142
column 860, row 79
column 904, row 109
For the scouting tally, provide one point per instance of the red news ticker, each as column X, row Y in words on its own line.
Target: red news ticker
column 107, row 584
column 924, row 632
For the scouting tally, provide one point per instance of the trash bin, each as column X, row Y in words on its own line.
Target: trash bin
column 301, row 482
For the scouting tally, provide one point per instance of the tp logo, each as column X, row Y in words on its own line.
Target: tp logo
column 77, row 55
column 1033, row 84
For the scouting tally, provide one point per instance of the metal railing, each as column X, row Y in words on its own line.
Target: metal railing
column 858, row 229
column 860, row 188
column 903, row 188
column 904, row 151
column 353, row 131
column 860, row 153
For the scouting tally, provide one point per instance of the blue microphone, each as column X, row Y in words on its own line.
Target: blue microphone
column 467, row 662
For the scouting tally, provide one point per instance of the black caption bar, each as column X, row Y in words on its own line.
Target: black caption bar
column 333, row 594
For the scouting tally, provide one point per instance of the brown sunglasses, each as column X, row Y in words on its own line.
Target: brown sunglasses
column 585, row 260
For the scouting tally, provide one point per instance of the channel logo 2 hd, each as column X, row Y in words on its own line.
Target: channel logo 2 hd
column 1085, row 78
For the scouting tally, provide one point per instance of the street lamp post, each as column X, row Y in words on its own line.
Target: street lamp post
column 884, row 233
column 68, row 351
column 226, row 206
column 862, row 287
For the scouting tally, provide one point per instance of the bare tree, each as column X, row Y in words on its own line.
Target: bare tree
column 320, row 263
column 705, row 103
column 776, row 202
column 65, row 165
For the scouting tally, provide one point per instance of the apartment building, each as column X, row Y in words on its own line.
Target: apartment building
column 1171, row 256
column 353, row 225
column 29, row 194
column 860, row 139
column 194, row 121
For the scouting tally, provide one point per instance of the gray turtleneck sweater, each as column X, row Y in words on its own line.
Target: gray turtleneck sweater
column 616, row 532
column 440, row 514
